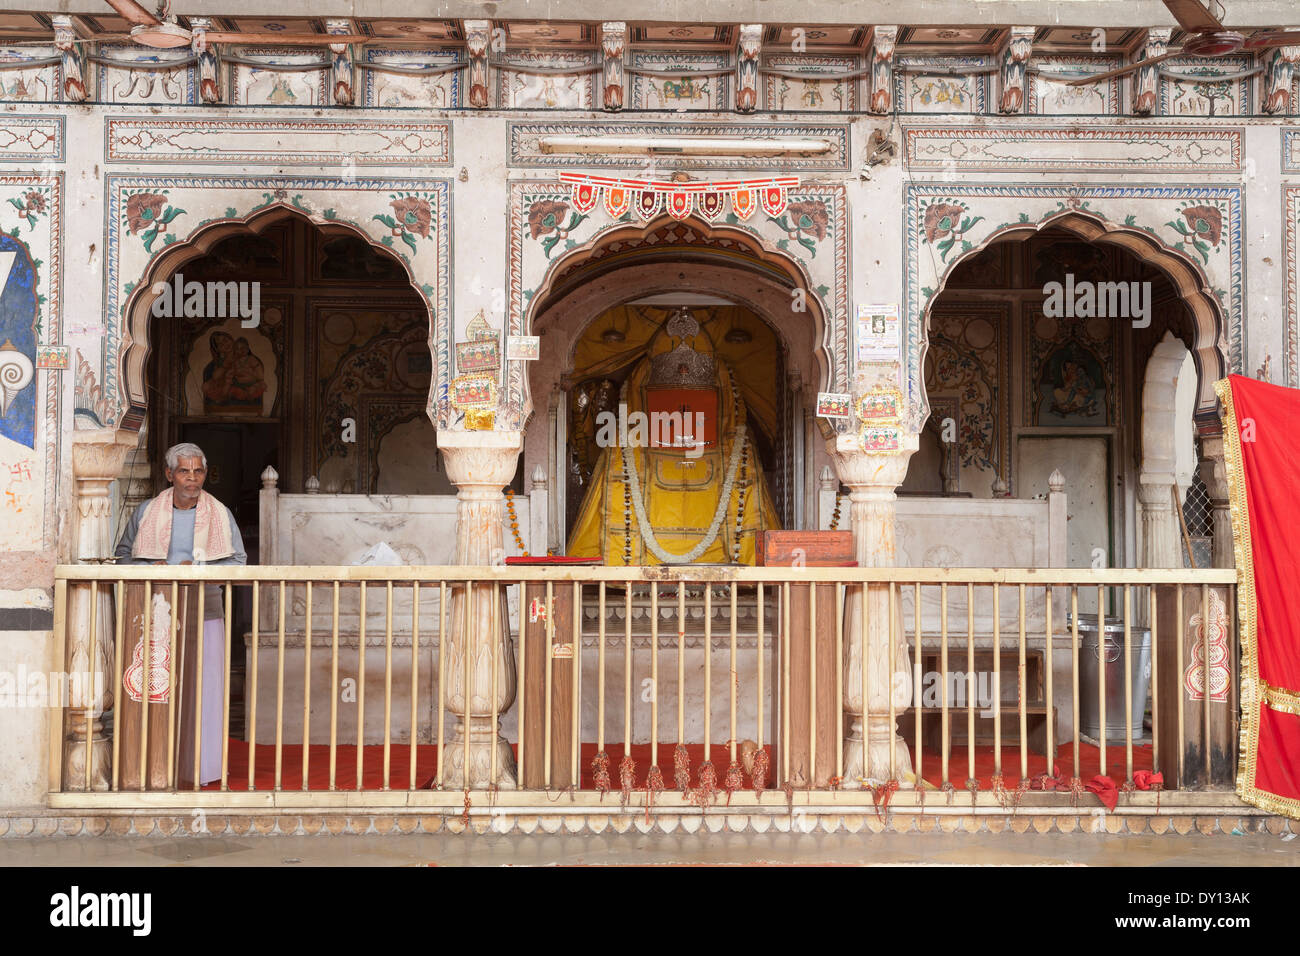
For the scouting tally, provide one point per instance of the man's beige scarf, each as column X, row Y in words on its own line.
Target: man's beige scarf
column 211, row 530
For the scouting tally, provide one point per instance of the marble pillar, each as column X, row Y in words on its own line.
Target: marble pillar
column 480, row 464
column 1215, row 475
column 871, row 480
column 97, row 457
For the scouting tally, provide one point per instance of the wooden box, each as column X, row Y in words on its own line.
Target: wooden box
column 809, row 549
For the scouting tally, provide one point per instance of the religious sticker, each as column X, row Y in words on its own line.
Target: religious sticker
column 883, row 405
column 878, row 333
column 52, row 356
column 833, row 404
column 523, row 348
column 879, row 439
column 480, row 419
column 536, row 610
column 562, row 652
column 481, row 352
column 474, row 391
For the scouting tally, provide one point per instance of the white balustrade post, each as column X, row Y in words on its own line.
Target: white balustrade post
column 538, row 509
column 872, row 480
column 828, row 490
column 480, row 464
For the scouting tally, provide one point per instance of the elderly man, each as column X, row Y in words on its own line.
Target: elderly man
column 186, row 525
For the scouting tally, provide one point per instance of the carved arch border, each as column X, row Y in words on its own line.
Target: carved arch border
column 1212, row 293
column 338, row 205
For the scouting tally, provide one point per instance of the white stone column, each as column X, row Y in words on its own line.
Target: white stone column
column 480, row 464
column 97, row 457
column 871, row 480
column 1161, row 539
column 1215, row 475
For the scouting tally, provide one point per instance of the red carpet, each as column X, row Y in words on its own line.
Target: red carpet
column 426, row 765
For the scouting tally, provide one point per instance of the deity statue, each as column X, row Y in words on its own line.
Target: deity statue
column 677, row 479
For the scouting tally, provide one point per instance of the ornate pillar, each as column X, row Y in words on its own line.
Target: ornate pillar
column 1146, row 84
column 1015, row 58
column 97, row 457
column 751, row 41
column 480, row 464
column 477, row 36
column 65, row 41
column 1157, row 481
column 613, row 41
column 882, row 69
column 340, row 63
column 1277, row 80
column 871, row 480
column 1215, row 476
column 209, row 61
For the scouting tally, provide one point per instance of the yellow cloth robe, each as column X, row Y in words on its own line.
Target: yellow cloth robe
column 681, row 494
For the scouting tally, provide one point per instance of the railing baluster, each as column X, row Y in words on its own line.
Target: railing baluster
column 1206, row 696
column 119, row 698
column 681, row 663
column 1178, row 651
column 918, row 699
column 198, row 680
column 893, row 669
column 334, row 684
column 812, row 686
column 627, row 672
column 442, row 682
column 388, row 683
column 863, row 659
column 492, row 758
column 708, row 670
column 1020, row 684
column 785, row 682
column 467, row 654
column 225, row 700
column 654, row 674
column 1128, row 684
column 306, row 689
column 146, row 635
column 997, row 680
column 172, row 781
column 250, row 709
column 839, row 678
column 943, row 690
column 415, row 679
column 1050, row 740
column 971, row 688
column 600, row 669
column 546, row 715
column 89, row 693
column 279, row 692
column 762, row 651
column 1155, row 682
column 1102, row 652
column 575, row 720
column 1074, row 669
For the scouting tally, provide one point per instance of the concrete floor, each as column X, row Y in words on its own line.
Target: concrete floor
column 907, row 849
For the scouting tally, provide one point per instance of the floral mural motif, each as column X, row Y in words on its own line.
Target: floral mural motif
column 945, row 223
column 148, row 215
column 34, row 202
column 544, row 218
column 412, row 217
column 1202, row 229
column 801, row 220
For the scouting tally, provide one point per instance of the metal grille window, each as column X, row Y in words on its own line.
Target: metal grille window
column 1196, row 508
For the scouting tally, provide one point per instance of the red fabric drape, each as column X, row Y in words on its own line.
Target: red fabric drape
column 1261, row 428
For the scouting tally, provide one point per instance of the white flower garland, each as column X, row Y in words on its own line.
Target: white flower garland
column 643, row 522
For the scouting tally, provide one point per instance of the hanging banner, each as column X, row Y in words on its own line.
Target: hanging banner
column 774, row 200
column 680, row 198
column 585, row 197
column 617, row 201
column 679, row 205
column 646, row 204
column 710, row 206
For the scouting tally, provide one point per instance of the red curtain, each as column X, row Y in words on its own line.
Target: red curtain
column 1261, row 431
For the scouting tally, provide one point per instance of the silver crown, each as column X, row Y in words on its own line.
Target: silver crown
column 683, row 367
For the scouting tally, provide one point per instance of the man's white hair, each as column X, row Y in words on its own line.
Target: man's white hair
column 184, row 450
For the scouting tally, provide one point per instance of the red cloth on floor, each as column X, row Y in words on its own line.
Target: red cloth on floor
column 1261, row 422
column 1105, row 789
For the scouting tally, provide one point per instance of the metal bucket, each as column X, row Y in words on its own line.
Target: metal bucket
column 1092, row 658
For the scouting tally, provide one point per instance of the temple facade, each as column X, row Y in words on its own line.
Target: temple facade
column 927, row 282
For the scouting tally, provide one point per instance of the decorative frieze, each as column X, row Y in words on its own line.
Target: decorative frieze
column 613, row 43
column 32, row 137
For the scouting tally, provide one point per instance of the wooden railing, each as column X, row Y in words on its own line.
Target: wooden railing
column 394, row 680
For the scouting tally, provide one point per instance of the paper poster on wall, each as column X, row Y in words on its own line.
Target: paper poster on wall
column 833, row 404
column 523, row 348
column 878, row 333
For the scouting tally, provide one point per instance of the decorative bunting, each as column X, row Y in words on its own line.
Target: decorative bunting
column 646, row 204
column 585, row 197
column 617, row 201
column 680, row 198
column 742, row 203
column 710, row 206
column 679, row 205
column 773, row 200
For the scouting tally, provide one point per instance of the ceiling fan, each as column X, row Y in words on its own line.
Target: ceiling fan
column 1206, row 36
column 163, row 32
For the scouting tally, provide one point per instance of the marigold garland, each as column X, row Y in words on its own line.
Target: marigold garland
column 758, row 776
column 682, row 769
column 708, row 790
column 600, row 773
column 835, row 515
column 734, row 780
column 627, row 777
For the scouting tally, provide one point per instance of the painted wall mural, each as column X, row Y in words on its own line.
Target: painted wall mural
column 1291, row 252
column 945, row 221
column 684, row 90
column 31, row 356
column 916, row 91
column 439, row 91
column 966, row 367
column 787, row 93
column 1211, row 96
column 146, row 216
